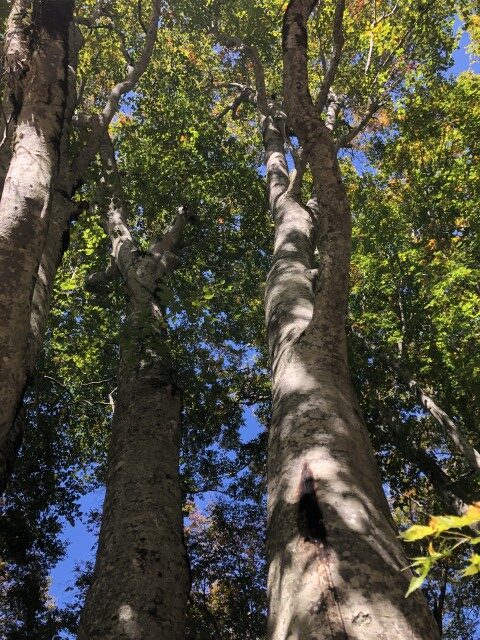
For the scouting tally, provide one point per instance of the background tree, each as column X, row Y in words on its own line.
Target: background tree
column 296, row 292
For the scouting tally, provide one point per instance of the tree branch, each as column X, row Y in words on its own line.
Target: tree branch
column 347, row 138
column 440, row 481
column 338, row 42
column 172, row 238
column 334, row 106
column 160, row 259
column 101, row 122
column 233, row 42
column 246, row 95
column 295, row 63
column 450, row 428
column 296, row 176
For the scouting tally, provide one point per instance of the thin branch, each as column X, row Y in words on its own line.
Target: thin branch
column 72, row 395
column 134, row 72
column 96, row 382
column 98, row 12
column 450, row 428
column 338, row 42
column 246, row 95
column 375, row 22
column 140, row 16
column 160, row 259
column 233, row 42
column 347, row 138
column 440, row 481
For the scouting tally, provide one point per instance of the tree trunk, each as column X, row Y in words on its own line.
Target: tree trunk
column 141, row 581
column 335, row 562
column 36, row 59
column 63, row 209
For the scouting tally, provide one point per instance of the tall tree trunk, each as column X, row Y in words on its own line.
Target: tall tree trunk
column 36, row 58
column 62, row 207
column 141, row 579
column 7, row 128
column 335, row 563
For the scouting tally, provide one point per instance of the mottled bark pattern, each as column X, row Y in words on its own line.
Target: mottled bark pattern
column 35, row 64
column 339, row 577
column 141, row 579
column 69, row 177
column 140, row 584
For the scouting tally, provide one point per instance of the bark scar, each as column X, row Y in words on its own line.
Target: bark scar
column 310, row 520
column 311, row 526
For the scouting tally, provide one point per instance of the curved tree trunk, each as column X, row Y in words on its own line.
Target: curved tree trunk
column 335, row 562
column 36, row 58
column 28, row 339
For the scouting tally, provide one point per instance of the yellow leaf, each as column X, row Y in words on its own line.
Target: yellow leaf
column 443, row 523
column 416, row 532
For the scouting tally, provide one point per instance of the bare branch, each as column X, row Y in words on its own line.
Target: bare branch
column 233, row 42
column 140, row 16
column 450, row 428
column 338, row 41
column 347, row 138
column 452, row 496
column 161, row 258
column 134, row 72
column 246, row 95
column 172, row 238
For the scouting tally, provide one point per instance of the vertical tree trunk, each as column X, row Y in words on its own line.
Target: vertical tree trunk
column 62, row 208
column 141, row 582
column 141, row 579
column 36, row 58
column 335, row 562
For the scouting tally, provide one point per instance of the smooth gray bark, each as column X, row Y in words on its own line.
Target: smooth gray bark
column 31, row 328
column 36, row 56
column 335, row 562
column 141, row 579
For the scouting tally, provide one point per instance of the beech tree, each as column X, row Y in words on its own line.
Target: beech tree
column 141, row 581
column 35, row 65
column 325, row 494
column 62, row 177
column 155, row 134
